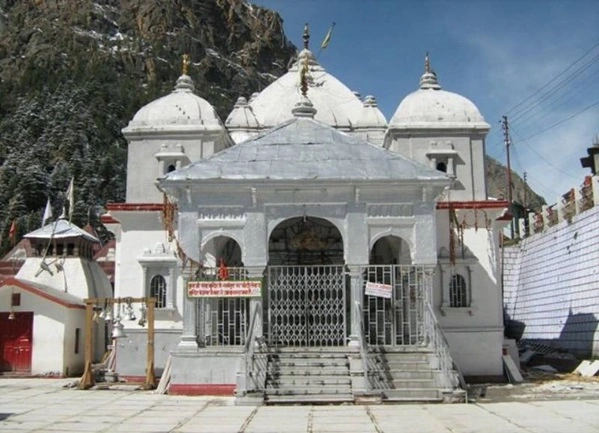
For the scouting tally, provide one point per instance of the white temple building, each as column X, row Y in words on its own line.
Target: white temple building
column 307, row 249
column 42, row 309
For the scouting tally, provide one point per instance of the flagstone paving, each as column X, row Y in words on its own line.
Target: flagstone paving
column 44, row 405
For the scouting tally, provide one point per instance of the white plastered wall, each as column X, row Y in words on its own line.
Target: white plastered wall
column 474, row 333
column 138, row 232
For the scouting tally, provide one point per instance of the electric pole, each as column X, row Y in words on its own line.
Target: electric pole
column 526, row 227
column 506, row 138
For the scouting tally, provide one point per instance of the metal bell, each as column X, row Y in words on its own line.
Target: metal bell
column 118, row 331
column 129, row 313
column 108, row 315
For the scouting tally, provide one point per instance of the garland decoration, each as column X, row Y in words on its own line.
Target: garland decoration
column 169, row 212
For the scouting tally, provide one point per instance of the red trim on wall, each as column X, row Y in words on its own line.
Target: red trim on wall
column 507, row 217
column 202, row 389
column 133, row 379
column 486, row 204
column 135, row 207
column 14, row 282
column 108, row 219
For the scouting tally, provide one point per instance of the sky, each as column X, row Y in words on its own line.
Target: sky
column 535, row 61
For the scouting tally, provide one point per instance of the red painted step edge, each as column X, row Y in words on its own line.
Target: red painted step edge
column 202, row 389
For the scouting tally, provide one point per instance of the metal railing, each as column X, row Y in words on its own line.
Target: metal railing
column 363, row 346
column 222, row 321
column 255, row 364
column 396, row 320
column 306, row 306
column 450, row 372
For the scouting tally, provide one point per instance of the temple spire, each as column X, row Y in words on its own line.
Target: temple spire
column 186, row 63
column 306, row 36
column 428, row 80
column 184, row 82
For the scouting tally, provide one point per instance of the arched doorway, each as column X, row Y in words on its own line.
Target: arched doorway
column 393, row 314
column 222, row 321
column 390, row 250
column 306, row 299
column 305, row 241
column 222, row 247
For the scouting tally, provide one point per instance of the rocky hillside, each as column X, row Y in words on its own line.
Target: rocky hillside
column 73, row 72
column 497, row 186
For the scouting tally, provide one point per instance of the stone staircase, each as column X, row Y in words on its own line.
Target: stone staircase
column 308, row 375
column 408, row 375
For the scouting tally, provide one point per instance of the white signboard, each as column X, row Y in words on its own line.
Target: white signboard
column 224, row 289
column 378, row 289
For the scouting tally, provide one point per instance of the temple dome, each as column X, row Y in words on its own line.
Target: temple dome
column 178, row 109
column 371, row 116
column 432, row 107
column 336, row 105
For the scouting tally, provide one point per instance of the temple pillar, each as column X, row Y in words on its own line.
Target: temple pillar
column 188, row 335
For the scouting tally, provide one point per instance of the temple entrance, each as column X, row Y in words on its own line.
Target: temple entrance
column 306, row 302
column 398, row 318
column 222, row 321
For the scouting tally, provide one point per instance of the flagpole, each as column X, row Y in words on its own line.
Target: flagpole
column 326, row 40
column 71, row 197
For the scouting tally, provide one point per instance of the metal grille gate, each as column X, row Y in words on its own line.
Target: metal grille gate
column 222, row 321
column 399, row 320
column 306, row 306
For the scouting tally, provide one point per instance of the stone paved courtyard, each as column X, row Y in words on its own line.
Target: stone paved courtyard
column 44, row 405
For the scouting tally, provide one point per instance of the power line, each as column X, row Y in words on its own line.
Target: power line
column 562, row 99
column 588, row 107
column 524, row 141
column 553, row 79
column 527, row 109
column 533, row 178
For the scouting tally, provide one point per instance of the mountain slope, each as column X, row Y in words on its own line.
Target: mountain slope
column 497, row 185
column 73, row 73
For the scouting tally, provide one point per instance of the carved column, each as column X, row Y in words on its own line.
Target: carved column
column 355, row 297
column 429, row 272
column 188, row 336
column 257, row 272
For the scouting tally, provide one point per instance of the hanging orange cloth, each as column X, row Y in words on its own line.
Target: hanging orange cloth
column 223, row 271
column 12, row 232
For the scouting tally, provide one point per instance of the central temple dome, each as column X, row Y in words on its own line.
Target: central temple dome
column 336, row 105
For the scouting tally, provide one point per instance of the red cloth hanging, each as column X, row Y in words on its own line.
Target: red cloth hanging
column 223, row 271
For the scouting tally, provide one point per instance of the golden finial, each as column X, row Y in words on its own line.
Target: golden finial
column 306, row 36
column 186, row 63
column 427, row 64
column 304, row 79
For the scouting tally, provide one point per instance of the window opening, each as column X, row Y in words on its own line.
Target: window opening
column 458, row 295
column 158, row 290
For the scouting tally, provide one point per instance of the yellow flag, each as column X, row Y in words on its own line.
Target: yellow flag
column 327, row 38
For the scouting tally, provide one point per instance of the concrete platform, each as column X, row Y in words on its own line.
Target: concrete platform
column 43, row 405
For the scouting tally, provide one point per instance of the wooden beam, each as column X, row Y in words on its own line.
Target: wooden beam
column 87, row 380
column 150, row 375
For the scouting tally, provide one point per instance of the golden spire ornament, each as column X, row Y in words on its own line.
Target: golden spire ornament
column 186, row 63
column 304, row 78
column 427, row 64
